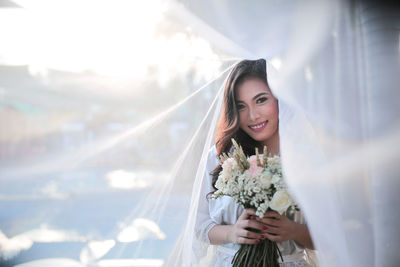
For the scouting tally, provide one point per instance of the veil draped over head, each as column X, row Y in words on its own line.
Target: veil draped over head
column 117, row 174
column 332, row 65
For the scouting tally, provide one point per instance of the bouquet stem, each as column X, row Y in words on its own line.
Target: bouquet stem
column 264, row 254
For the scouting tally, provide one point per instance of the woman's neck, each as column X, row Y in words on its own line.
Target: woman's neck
column 272, row 144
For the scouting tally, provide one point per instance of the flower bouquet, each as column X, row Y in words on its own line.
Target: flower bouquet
column 254, row 182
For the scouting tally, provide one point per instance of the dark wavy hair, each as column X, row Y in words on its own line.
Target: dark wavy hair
column 228, row 125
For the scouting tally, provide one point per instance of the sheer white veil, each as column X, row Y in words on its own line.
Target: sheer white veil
column 126, row 178
column 336, row 80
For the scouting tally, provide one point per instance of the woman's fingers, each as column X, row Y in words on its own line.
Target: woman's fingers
column 247, row 213
column 272, row 230
column 254, row 224
column 270, row 222
column 273, row 226
column 244, row 236
column 272, row 237
column 272, row 214
column 251, row 235
column 248, row 225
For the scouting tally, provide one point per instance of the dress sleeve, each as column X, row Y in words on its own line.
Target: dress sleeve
column 204, row 222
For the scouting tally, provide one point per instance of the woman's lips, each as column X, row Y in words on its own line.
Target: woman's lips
column 258, row 127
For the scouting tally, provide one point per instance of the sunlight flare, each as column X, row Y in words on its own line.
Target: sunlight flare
column 140, row 229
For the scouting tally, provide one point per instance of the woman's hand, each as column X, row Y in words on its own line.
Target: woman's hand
column 280, row 228
column 241, row 232
column 273, row 226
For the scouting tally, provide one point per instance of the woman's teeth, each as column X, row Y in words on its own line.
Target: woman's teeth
column 258, row 126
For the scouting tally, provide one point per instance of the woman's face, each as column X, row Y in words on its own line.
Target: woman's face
column 258, row 110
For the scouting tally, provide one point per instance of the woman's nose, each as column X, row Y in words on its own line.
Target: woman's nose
column 253, row 114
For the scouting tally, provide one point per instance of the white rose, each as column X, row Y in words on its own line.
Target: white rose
column 229, row 165
column 280, row 201
column 265, row 180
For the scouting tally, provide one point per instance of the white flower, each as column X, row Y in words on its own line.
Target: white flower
column 253, row 160
column 275, row 160
column 265, row 179
column 256, row 189
column 262, row 208
column 254, row 186
column 280, row 201
column 229, row 165
column 221, row 182
column 275, row 178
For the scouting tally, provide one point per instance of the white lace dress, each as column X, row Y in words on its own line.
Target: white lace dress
column 225, row 211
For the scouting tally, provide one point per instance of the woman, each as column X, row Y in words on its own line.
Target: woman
column 250, row 116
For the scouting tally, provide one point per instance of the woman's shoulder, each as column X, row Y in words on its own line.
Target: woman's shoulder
column 212, row 158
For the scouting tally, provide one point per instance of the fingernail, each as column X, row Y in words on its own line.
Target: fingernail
column 262, row 236
column 258, row 240
column 253, row 217
column 265, row 227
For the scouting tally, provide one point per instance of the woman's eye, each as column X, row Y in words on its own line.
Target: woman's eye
column 261, row 100
column 240, row 107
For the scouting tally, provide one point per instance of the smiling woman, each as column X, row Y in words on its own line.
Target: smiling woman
column 258, row 113
column 250, row 116
column 108, row 110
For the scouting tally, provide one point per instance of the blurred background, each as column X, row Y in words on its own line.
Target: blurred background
column 106, row 108
column 88, row 127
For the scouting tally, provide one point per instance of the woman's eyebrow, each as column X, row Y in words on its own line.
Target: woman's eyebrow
column 255, row 97
column 260, row 94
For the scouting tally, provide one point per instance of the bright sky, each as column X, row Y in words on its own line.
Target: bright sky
column 114, row 38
